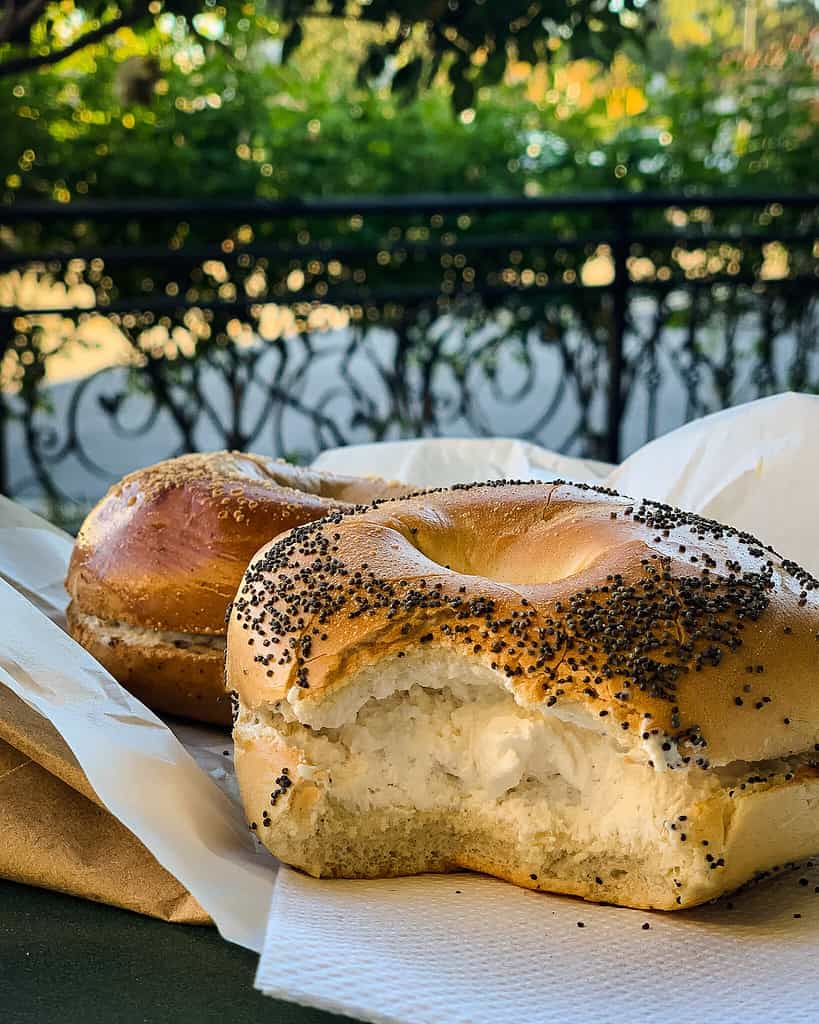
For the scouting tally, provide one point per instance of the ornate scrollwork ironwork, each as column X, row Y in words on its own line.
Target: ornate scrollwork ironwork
column 421, row 327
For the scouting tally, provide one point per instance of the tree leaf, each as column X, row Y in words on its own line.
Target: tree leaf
column 406, row 79
column 372, row 65
column 463, row 94
column 292, row 41
column 492, row 71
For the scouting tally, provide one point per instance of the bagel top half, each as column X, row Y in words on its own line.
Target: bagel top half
column 688, row 642
column 166, row 547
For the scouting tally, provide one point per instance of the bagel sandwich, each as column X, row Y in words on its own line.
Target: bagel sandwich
column 550, row 683
column 159, row 558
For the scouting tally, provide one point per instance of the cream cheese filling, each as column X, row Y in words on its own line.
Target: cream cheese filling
column 108, row 630
column 439, row 733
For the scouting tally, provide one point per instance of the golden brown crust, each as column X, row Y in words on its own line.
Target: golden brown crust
column 166, row 547
column 579, row 597
column 187, row 681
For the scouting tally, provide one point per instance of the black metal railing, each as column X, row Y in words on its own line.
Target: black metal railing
column 588, row 323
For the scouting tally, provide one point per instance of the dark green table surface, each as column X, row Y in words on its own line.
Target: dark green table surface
column 67, row 960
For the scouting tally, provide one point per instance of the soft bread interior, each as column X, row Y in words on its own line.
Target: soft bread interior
column 427, row 762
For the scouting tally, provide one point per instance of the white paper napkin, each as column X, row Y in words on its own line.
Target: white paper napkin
column 463, row 949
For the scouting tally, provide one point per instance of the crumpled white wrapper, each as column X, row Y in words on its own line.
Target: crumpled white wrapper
column 413, row 950
column 443, row 461
column 755, row 467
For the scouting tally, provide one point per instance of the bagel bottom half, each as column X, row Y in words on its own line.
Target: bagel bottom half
column 448, row 772
column 173, row 673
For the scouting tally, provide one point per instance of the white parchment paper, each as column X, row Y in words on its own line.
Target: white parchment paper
column 755, row 467
column 182, row 803
column 441, row 462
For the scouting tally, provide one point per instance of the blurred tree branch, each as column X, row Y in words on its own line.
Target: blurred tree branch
column 20, row 18
column 472, row 41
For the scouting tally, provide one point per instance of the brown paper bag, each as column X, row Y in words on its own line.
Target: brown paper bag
column 57, row 835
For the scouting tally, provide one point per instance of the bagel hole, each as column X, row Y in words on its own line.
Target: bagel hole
column 529, row 555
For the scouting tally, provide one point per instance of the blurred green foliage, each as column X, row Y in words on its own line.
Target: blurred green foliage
column 177, row 112
column 471, row 41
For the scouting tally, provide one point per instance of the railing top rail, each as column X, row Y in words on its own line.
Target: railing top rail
column 160, row 208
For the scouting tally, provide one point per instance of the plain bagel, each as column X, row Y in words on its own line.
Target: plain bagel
column 159, row 558
column 546, row 682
